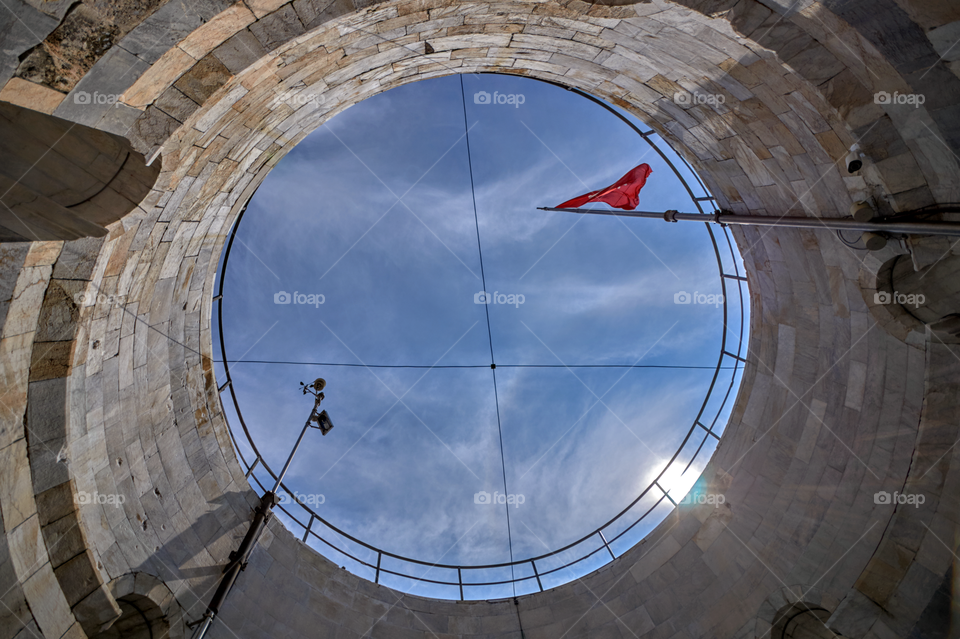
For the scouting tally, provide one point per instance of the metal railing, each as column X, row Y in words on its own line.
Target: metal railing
column 327, row 539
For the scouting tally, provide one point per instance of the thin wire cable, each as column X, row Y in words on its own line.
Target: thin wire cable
column 486, row 308
column 280, row 362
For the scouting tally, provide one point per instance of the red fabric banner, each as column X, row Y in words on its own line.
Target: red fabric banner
column 622, row 194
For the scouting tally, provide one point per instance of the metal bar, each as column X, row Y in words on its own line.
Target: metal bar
column 224, row 385
column 293, row 452
column 238, row 561
column 709, row 432
column 915, row 228
column 703, row 199
column 600, row 532
column 306, row 531
column 735, row 277
column 377, row 578
column 536, row 574
column 252, row 466
column 217, row 298
column 735, row 356
column 665, row 494
column 460, row 581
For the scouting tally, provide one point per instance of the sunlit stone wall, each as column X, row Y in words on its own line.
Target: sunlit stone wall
column 114, row 394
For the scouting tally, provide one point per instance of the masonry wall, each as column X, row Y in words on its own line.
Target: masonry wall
column 116, row 394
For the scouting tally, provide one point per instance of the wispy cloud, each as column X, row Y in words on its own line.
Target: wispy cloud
column 396, row 474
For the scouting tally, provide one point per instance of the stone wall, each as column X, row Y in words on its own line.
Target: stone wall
column 833, row 407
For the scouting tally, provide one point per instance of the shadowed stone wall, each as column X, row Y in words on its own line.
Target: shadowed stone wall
column 841, row 397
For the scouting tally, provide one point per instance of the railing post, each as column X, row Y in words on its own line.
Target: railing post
column 665, row 493
column 460, row 581
column 536, row 574
column 604, row 539
column 306, row 531
column 252, row 466
column 728, row 353
column 379, row 557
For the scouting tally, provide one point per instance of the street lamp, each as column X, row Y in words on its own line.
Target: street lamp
column 237, row 560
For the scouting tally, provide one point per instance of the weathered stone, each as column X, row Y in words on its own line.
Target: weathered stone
column 203, row 80
column 97, row 611
column 47, row 602
column 277, row 28
column 240, row 51
column 97, row 91
column 33, row 96
column 15, row 487
column 161, row 75
column 78, row 577
column 155, row 127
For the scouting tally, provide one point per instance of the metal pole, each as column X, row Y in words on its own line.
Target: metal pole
column 239, row 558
column 831, row 223
column 286, row 466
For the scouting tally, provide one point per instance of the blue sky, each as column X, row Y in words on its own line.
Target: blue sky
column 372, row 214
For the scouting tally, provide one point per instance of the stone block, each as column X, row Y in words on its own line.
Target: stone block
column 165, row 27
column 64, row 539
column 97, row 611
column 223, row 26
column 900, row 173
column 56, row 502
column 96, row 92
column 25, row 304
column 239, row 52
column 203, row 79
column 47, row 602
column 26, row 547
column 23, row 26
column 31, row 95
column 161, row 75
column 155, row 127
column 51, row 360
column 78, row 577
column 277, row 28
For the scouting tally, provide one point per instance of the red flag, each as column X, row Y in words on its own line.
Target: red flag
column 622, row 194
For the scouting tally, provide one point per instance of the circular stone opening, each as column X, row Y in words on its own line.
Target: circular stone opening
column 518, row 395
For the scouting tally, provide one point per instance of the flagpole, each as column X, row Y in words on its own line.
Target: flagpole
column 726, row 218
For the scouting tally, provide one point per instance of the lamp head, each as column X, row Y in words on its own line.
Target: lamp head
column 314, row 388
column 324, row 423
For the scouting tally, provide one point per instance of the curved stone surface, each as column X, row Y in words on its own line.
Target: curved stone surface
column 116, row 395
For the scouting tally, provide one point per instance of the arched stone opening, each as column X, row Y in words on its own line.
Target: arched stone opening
column 63, row 180
column 833, row 410
column 802, row 622
column 148, row 610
